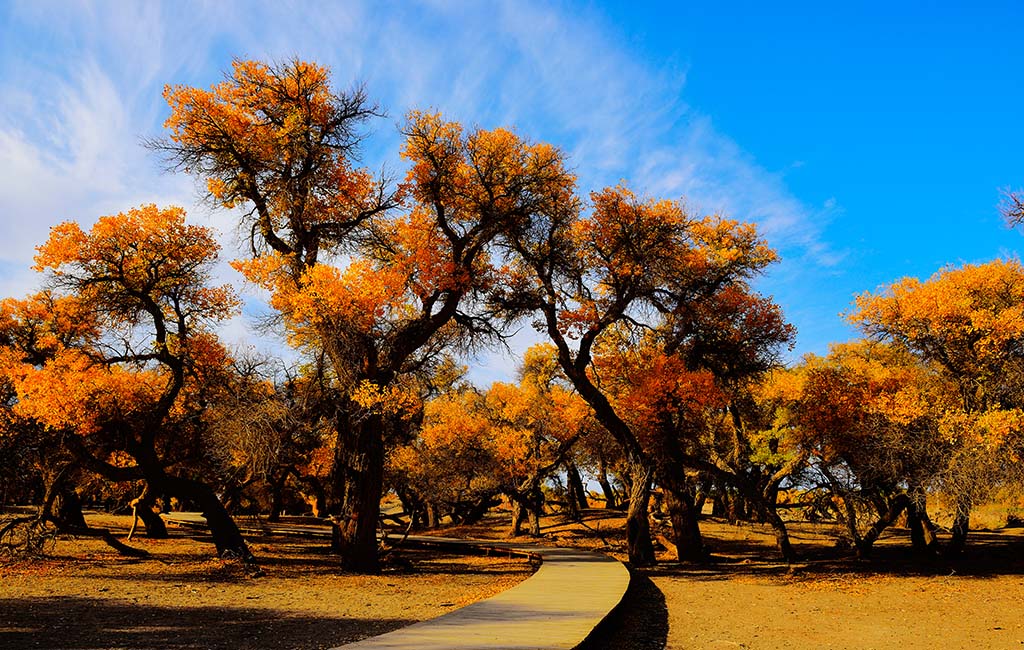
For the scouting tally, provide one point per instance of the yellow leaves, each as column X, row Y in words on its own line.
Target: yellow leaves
column 265, row 271
column 967, row 318
column 360, row 296
column 483, row 175
column 391, row 400
column 991, row 430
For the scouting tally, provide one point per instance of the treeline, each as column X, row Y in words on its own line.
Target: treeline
column 661, row 371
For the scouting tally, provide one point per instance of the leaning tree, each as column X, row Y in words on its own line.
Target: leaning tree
column 125, row 363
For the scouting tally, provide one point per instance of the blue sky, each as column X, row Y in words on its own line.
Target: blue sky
column 869, row 142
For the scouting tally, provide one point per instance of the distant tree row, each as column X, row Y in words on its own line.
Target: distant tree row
column 662, row 371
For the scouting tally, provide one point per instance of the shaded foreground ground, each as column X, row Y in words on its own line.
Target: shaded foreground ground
column 746, row 598
column 85, row 596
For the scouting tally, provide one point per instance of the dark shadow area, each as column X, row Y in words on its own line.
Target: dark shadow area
column 639, row 622
column 988, row 554
column 93, row 624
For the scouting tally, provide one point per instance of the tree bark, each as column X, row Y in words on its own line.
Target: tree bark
column 477, row 511
column 922, row 532
column 638, row 526
column 575, row 484
column 360, row 467
column 611, row 499
column 69, row 507
column 785, row 547
column 226, row 536
column 896, row 505
column 518, row 516
column 277, row 497
column 682, row 511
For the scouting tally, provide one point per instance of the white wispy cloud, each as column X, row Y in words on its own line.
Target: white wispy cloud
column 81, row 86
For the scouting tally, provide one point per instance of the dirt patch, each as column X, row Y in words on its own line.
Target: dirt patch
column 747, row 598
column 85, row 596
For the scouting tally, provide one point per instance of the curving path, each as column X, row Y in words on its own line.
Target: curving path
column 557, row 607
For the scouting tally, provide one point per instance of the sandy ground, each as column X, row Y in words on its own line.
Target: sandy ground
column 85, row 596
column 747, row 598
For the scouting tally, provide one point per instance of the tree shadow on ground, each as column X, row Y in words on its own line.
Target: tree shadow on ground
column 93, row 624
column 988, row 554
column 640, row 622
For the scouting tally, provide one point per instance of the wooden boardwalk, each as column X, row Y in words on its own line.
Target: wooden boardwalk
column 556, row 607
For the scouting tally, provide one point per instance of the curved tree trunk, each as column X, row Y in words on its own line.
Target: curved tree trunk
column 518, row 516
column 142, row 508
column 782, row 542
column 888, row 515
column 226, row 536
column 638, row 526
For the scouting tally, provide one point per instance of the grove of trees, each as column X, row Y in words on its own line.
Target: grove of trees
column 661, row 372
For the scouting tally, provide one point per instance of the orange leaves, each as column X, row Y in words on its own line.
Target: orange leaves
column 634, row 252
column 258, row 107
column 483, row 176
column 657, row 394
column 36, row 327
column 361, row 295
column 143, row 259
column 65, row 244
column 120, row 347
column 74, row 392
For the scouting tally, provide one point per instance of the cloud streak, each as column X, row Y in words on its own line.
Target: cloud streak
column 86, row 87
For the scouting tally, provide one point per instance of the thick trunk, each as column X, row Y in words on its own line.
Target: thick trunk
column 226, row 536
column 771, row 515
column 922, row 532
column 888, row 515
column 69, row 507
column 359, row 476
column 845, row 510
column 682, row 511
column 535, row 511
column 518, row 516
column 766, row 503
column 638, row 527
column 142, row 508
column 719, row 504
column 477, row 511
column 277, row 497
column 737, row 507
